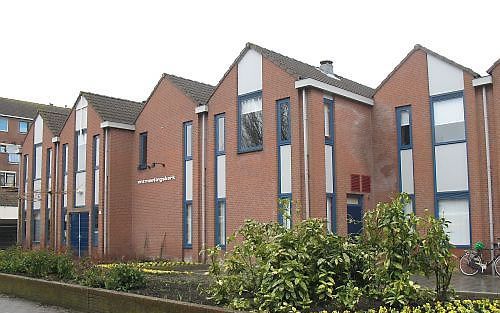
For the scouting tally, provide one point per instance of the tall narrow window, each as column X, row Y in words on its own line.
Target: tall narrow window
column 143, row 151
column 188, row 185
column 64, row 198
column 284, row 163
column 220, row 178
column 250, row 122
column 25, row 195
column 405, row 148
column 80, row 172
column 48, row 197
column 37, row 192
column 330, row 207
column 95, row 195
column 451, row 166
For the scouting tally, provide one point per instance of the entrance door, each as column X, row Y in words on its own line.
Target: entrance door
column 80, row 233
column 354, row 214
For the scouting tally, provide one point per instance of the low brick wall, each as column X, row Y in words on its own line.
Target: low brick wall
column 94, row 300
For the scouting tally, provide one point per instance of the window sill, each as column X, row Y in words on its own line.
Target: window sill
column 186, row 246
column 255, row 149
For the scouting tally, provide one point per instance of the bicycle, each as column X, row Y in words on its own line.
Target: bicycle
column 472, row 260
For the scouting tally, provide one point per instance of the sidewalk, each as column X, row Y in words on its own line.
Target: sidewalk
column 480, row 283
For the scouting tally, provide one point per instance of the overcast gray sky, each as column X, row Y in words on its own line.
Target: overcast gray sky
column 50, row 50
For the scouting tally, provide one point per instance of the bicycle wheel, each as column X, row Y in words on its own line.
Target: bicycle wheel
column 496, row 264
column 467, row 265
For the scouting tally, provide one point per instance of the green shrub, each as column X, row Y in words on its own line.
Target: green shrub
column 123, row 277
column 93, row 276
column 275, row 269
column 36, row 263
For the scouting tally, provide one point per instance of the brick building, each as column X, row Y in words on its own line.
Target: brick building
column 15, row 119
column 179, row 172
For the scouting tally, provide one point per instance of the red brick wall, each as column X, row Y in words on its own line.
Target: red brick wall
column 158, row 207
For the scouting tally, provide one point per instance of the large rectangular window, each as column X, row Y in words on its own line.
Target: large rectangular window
column 405, row 154
column 4, row 124
column 220, row 178
column 143, row 151
column 451, row 166
column 284, row 163
column 95, row 196
column 449, row 122
column 188, row 185
column 250, row 122
column 64, row 198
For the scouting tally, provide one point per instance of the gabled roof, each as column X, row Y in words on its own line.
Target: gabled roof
column 418, row 47
column 114, row 109
column 199, row 92
column 19, row 108
column 302, row 70
column 493, row 66
column 54, row 118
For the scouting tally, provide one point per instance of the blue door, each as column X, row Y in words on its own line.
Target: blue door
column 80, row 233
column 354, row 214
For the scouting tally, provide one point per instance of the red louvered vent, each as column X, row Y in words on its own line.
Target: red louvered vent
column 366, row 183
column 355, row 182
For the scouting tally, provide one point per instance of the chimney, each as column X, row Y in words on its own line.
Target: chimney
column 326, row 67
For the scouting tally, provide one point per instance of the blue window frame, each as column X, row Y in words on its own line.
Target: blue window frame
column 23, row 127
column 80, row 168
column 48, row 196
column 187, row 224
column 284, row 135
column 250, row 122
column 4, row 124
column 25, row 196
column 64, row 192
column 143, row 151
column 448, row 122
column 95, row 190
column 329, row 133
column 404, row 126
column 220, row 202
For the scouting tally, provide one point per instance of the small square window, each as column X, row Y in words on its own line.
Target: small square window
column 14, row 158
column 4, row 125
column 23, row 127
column 3, row 148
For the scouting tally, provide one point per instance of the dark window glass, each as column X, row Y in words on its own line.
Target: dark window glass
column 143, row 150
column 251, row 133
column 405, row 135
column 285, row 121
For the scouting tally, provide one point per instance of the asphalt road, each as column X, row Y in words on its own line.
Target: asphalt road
column 17, row 305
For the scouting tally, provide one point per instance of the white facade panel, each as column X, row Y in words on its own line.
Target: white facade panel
column 329, row 168
column 38, row 130
column 221, row 176
column 37, row 194
column 8, row 212
column 407, row 183
column 250, row 72
column 189, row 180
column 443, row 77
column 286, row 168
column 457, row 212
column 449, row 111
column 80, row 188
column 451, row 167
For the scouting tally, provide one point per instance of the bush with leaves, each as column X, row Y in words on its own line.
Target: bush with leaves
column 282, row 270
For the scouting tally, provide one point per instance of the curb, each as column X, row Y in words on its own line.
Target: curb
column 94, row 300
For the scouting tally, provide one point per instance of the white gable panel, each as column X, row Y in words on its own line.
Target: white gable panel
column 443, row 77
column 250, row 73
column 38, row 130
